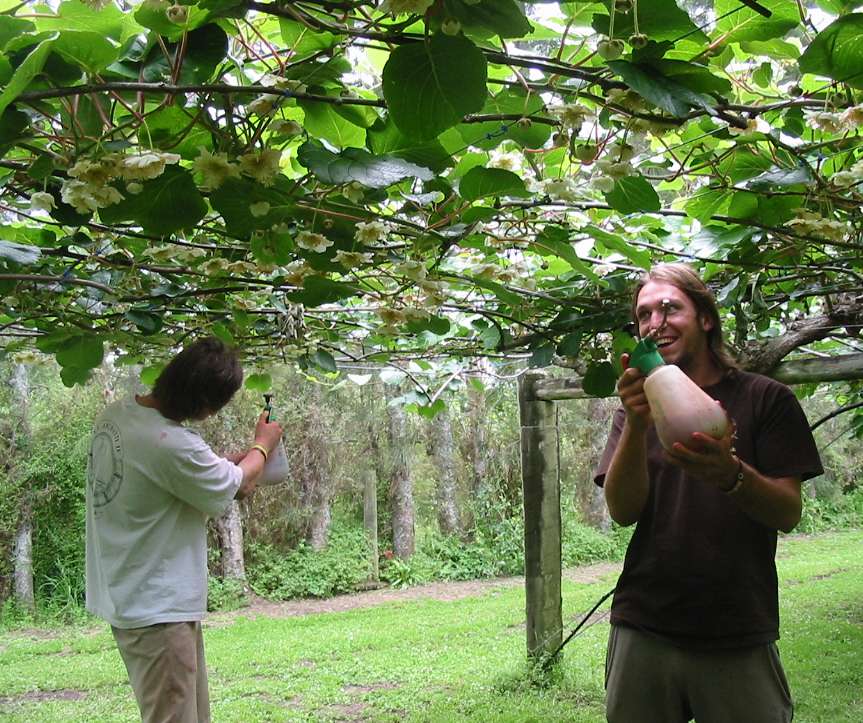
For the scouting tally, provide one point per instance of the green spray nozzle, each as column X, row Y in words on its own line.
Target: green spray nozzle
column 268, row 406
column 646, row 357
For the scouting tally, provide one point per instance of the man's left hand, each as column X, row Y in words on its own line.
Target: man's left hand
column 708, row 458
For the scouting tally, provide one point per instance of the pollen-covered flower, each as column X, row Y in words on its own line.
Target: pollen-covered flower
column 259, row 209
column 824, row 120
column 96, row 171
column 87, row 197
column 215, row 267
column 262, row 166
column 41, row 201
column 297, row 271
column 144, row 166
column 853, row 116
column 371, row 232
column 215, row 169
column 353, row 259
column 354, row 192
column 572, row 115
column 263, row 104
column 390, row 316
column 313, row 241
column 287, row 128
column 414, row 270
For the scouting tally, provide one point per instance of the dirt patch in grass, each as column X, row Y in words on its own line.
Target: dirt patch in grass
column 444, row 591
column 368, row 688
column 41, row 696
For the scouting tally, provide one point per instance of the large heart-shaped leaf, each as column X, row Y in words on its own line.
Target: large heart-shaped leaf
column 354, row 164
column 26, row 71
column 484, row 182
column 600, row 380
column 84, row 351
column 632, row 194
column 500, row 17
column 319, row 290
column 619, row 244
column 736, row 23
column 165, row 205
column 324, row 121
column 837, row 51
column 19, row 253
column 90, row 51
column 669, row 94
column 431, row 85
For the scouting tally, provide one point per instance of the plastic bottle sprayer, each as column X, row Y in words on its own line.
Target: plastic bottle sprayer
column 678, row 405
column 276, row 467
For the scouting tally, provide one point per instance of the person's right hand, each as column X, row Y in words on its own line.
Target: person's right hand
column 267, row 433
column 630, row 389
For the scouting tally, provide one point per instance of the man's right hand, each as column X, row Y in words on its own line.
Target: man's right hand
column 267, row 433
column 630, row 389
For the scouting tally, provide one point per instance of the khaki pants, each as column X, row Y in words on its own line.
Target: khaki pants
column 166, row 667
column 648, row 680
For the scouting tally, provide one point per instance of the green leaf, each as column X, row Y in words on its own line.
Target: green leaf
column 166, row 204
column 617, row 243
column 659, row 19
column 600, row 380
column 508, row 102
column 431, row 85
column 26, row 71
column 438, row 325
column 319, row 290
column 11, row 27
column 706, row 203
column 737, row 23
column 323, row 121
column 570, row 345
column 83, row 351
column 429, row 411
column 501, row 17
column 385, row 139
column 108, row 21
column 743, row 163
column 204, row 51
column 150, row 374
column 175, row 129
column 19, row 253
column 91, row 51
column 70, row 376
column 302, row 41
column 837, row 51
column 323, row 360
column 148, row 322
column 354, row 164
column 542, row 356
column 801, row 175
column 555, row 240
column 502, row 293
column 632, row 194
column 762, row 75
column 484, row 182
column 667, row 93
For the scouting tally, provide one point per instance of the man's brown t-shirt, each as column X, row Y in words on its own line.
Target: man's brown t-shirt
column 698, row 569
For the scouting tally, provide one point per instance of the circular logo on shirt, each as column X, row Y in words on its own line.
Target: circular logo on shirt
column 105, row 471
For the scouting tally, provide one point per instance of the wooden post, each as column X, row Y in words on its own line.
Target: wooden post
column 540, row 473
column 370, row 518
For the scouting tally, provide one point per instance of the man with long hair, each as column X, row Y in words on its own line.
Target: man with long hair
column 695, row 616
column 151, row 485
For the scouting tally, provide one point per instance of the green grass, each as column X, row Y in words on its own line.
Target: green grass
column 431, row 660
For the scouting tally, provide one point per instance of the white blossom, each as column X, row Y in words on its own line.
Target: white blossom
column 405, row 7
column 41, row 201
column 371, row 232
column 313, row 241
column 215, row 169
column 262, row 166
column 144, row 166
column 353, row 259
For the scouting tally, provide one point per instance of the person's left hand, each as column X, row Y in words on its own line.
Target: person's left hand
column 708, row 458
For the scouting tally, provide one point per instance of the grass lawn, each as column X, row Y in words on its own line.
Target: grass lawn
column 429, row 660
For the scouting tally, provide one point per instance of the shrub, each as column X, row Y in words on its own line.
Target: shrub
column 303, row 572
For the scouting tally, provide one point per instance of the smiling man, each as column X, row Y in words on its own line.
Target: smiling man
column 695, row 616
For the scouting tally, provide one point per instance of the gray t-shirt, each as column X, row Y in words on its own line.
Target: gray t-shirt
column 151, row 484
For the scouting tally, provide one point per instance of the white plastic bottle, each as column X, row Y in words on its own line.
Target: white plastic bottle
column 678, row 405
column 276, row 468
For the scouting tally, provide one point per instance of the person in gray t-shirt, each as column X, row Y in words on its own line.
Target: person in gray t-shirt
column 151, row 485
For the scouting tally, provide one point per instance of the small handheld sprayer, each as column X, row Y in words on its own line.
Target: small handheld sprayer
column 276, row 467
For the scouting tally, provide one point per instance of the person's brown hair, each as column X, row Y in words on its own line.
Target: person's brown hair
column 684, row 278
column 200, row 380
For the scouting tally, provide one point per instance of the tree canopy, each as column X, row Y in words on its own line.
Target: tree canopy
column 336, row 181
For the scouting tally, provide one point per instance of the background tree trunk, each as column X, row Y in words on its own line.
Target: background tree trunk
column 401, row 484
column 476, row 438
column 318, row 483
column 442, row 448
column 591, row 497
column 230, row 530
column 23, row 557
column 23, row 550
column 370, row 518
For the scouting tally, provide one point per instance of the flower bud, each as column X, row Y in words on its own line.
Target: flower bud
column 178, row 14
column 639, row 40
column 450, row 26
column 610, row 49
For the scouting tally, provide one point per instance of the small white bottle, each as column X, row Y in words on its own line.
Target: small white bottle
column 276, row 468
column 678, row 405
